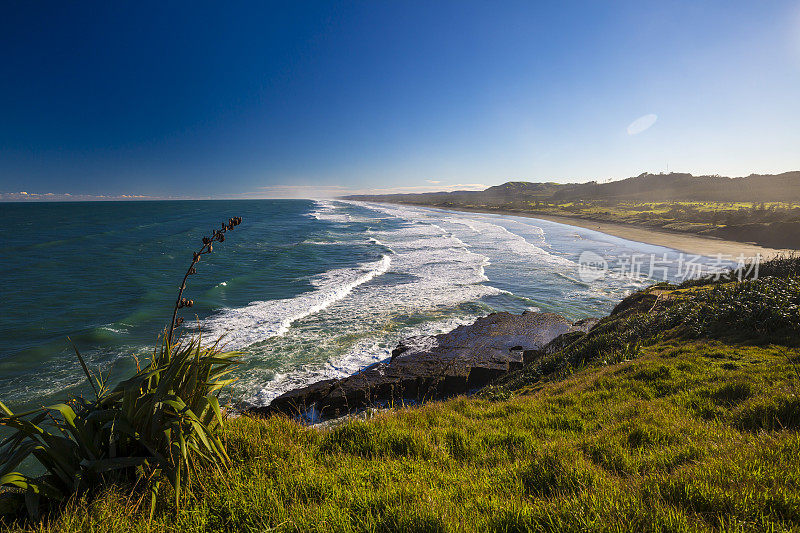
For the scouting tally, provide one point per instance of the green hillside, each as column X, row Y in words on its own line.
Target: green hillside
column 646, row 187
column 678, row 412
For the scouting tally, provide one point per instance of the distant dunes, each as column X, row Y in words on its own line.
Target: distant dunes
column 646, row 187
column 760, row 208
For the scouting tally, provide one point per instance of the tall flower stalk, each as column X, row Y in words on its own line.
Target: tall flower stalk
column 160, row 424
column 218, row 235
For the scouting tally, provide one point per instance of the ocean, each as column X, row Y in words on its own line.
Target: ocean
column 305, row 289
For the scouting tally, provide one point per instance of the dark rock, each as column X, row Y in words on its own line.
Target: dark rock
column 431, row 367
column 529, row 356
column 585, row 325
column 575, row 332
column 298, row 400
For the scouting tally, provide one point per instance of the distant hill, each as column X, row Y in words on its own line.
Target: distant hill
column 685, row 187
column 643, row 188
column 668, row 198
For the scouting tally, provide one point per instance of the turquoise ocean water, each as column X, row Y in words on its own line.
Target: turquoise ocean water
column 306, row 289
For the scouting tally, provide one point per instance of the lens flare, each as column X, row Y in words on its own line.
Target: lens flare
column 641, row 124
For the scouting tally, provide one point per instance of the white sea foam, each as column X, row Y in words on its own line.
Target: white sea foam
column 317, row 242
column 438, row 277
column 503, row 239
column 434, row 276
column 375, row 241
column 528, row 225
column 363, row 353
column 332, row 211
column 261, row 320
column 511, row 245
column 493, row 236
column 323, row 210
column 432, row 273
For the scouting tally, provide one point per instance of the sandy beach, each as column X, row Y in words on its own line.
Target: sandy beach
column 683, row 242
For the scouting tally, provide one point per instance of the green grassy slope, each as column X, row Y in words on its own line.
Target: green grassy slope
column 679, row 412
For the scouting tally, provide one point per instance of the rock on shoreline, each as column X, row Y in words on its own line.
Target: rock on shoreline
column 431, row 367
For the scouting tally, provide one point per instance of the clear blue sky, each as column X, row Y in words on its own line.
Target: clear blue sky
column 235, row 99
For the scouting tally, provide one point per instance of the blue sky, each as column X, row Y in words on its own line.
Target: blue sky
column 201, row 99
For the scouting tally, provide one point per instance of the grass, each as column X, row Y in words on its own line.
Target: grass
column 690, row 436
column 678, row 412
column 681, row 216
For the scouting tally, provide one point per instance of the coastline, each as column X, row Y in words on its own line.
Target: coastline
column 683, row 242
column 469, row 357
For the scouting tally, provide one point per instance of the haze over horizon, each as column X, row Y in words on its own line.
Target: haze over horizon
column 124, row 101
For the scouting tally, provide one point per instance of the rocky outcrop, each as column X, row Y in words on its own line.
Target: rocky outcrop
column 576, row 331
column 430, row 367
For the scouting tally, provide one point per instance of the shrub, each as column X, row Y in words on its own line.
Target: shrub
column 781, row 266
column 766, row 308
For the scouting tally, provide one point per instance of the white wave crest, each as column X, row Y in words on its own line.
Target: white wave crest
column 494, row 236
column 258, row 321
column 362, row 354
column 334, row 212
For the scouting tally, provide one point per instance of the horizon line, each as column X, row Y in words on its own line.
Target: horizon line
column 341, row 191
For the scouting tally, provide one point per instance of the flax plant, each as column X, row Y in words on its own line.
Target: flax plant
column 161, row 424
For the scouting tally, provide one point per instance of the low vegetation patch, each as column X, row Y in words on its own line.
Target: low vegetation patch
column 603, row 448
column 644, row 424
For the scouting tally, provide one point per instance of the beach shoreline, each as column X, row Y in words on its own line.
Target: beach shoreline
column 682, row 242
